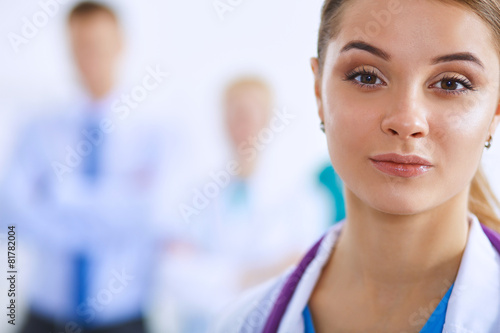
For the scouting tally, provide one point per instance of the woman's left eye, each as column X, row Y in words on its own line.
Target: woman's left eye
column 454, row 85
column 450, row 85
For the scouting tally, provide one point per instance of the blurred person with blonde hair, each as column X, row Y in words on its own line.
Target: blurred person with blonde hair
column 246, row 233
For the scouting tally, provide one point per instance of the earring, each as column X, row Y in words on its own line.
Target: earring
column 488, row 143
column 322, row 127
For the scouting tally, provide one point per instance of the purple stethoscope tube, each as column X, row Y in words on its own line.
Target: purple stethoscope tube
column 281, row 303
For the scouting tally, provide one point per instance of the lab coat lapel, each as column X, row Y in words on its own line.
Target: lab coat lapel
column 474, row 305
column 292, row 320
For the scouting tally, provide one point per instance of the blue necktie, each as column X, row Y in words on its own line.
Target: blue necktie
column 91, row 163
column 81, row 282
column 91, row 170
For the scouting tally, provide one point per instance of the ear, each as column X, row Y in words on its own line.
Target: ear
column 317, row 86
column 495, row 121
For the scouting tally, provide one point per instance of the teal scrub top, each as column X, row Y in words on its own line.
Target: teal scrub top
column 329, row 178
column 435, row 323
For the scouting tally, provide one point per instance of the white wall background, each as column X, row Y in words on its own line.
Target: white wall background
column 201, row 51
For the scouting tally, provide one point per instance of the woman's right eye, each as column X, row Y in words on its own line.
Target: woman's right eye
column 368, row 79
column 364, row 78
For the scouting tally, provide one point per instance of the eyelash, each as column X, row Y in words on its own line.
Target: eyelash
column 355, row 73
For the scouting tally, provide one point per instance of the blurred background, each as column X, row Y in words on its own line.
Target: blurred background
column 158, row 217
column 158, row 158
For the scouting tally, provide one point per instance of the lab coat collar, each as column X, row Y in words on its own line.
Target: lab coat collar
column 292, row 320
column 474, row 305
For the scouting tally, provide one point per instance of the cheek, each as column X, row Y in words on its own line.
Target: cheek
column 457, row 138
column 351, row 125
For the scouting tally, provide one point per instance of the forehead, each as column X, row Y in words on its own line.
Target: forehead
column 98, row 18
column 247, row 91
column 416, row 30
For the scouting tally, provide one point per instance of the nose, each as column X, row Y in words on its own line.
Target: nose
column 406, row 117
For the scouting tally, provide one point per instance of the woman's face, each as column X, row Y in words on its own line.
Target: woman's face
column 431, row 89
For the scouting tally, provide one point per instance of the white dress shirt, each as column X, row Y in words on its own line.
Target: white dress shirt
column 60, row 213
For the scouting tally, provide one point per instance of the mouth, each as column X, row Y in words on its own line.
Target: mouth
column 405, row 166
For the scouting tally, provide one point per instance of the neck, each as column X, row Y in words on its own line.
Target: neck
column 99, row 88
column 247, row 168
column 400, row 252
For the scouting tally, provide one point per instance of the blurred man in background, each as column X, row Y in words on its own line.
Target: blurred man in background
column 81, row 188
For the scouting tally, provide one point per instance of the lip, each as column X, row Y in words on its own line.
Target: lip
column 406, row 166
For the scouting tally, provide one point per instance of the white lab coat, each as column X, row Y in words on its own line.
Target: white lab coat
column 237, row 236
column 474, row 305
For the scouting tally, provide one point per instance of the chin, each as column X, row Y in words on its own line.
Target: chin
column 398, row 205
column 402, row 211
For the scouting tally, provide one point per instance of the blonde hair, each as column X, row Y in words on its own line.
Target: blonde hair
column 482, row 200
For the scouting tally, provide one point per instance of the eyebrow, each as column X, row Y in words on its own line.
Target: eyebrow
column 462, row 56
